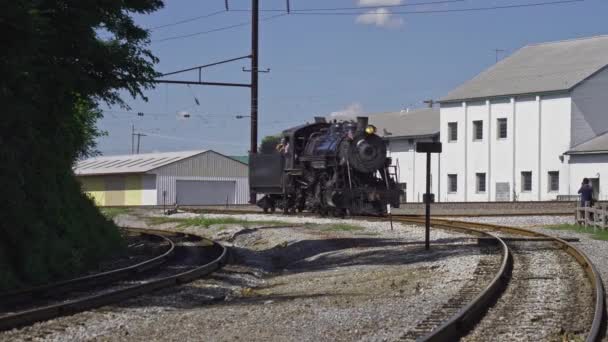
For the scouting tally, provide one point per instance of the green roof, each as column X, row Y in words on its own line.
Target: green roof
column 242, row 159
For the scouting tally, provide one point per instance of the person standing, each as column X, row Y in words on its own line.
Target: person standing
column 586, row 192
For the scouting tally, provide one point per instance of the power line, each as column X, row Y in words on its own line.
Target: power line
column 439, row 2
column 186, row 20
column 224, row 28
column 473, row 9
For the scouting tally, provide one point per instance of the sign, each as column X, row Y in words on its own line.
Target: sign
column 428, row 198
column 428, row 147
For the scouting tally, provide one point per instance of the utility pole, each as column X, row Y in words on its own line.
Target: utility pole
column 497, row 52
column 132, row 137
column 430, row 102
column 139, row 135
column 255, row 16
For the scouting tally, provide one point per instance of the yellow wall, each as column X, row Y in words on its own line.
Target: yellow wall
column 133, row 190
column 95, row 188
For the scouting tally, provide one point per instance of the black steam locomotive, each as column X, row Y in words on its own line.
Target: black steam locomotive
column 329, row 168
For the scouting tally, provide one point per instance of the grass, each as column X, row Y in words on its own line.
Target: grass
column 111, row 213
column 337, row 227
column 598, row 234
column 209, row 221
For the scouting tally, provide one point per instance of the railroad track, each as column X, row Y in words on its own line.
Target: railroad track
column 459, row 316
column 460, row 323
column 187, row 257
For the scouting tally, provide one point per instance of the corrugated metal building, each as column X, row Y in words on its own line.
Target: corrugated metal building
column 182, row 178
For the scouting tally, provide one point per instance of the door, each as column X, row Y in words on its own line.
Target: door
column 194, row 192
column 503, row 191
column 595, row 184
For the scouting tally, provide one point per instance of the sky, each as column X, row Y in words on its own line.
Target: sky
column 387, row 59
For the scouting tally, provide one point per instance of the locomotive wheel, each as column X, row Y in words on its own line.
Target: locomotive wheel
column 273, row 209
column 265, row 210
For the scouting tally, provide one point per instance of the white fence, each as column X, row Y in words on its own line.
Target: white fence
column 596, row 216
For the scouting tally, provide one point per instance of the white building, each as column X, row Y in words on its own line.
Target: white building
column 589, row 160
column 518, row 130
column 182, row 178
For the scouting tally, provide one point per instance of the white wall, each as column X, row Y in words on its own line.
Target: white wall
column 477, row 154
column 538, row 133
column 501, row 153
column 589, row 166
column 412, row 167
column 589, row 104
column 454, row 153
column 148, row 196
column 555, row 141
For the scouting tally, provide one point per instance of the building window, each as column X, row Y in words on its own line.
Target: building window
column 481, row 182
column 526, row 181
column 553, row 180
column 452, row 131
column 452, row 183
column 478, row 130
column 501, row 126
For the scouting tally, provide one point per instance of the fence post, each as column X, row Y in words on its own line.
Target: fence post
column 586, row 209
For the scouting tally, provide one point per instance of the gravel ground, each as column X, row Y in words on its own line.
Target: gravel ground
column 290, row 284
column 596, row 250
column 547, row 299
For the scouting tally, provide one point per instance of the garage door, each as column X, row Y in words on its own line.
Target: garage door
column 189, row 192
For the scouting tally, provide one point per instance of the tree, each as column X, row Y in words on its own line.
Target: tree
column 269, row 144
column 59, row 60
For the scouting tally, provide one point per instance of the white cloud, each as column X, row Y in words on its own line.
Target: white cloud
column 380, row 17
column 351, row 110
column 380, row 2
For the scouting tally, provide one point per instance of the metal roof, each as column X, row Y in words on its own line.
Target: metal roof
column 539, row 68
column 596, row 145
column 132, row 163
column 409, row 124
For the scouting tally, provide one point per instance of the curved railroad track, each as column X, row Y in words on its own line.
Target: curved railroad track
column 472, row 304
column 461, row 323
column 188, row 257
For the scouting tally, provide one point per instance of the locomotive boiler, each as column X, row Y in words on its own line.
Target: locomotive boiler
column 329, row 168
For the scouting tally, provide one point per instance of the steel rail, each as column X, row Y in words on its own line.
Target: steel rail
column 596, row 331
column 28, row 317
column 471, row 313
column 93, row 279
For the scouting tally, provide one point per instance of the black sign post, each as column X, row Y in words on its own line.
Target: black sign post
column 428, row 148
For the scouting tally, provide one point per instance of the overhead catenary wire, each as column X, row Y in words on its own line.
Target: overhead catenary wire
column 332, row 12
column 368, row 7
column 438, row 11
column 187, row 20
column 224, row 28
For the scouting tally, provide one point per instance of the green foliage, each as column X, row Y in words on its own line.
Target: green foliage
column 59, row 59
column 597, row 233
column 111, row 213
column 207, row 222
column 269, row 143
column 336, row 227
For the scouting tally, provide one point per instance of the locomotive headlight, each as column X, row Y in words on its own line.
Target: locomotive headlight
column 371, row 129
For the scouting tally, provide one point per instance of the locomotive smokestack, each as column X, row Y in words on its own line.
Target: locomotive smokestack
column 361, row 122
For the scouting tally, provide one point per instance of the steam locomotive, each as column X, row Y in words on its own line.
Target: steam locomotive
column 329, row 168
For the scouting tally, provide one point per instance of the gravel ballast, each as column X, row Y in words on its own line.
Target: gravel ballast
column 290, row 283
